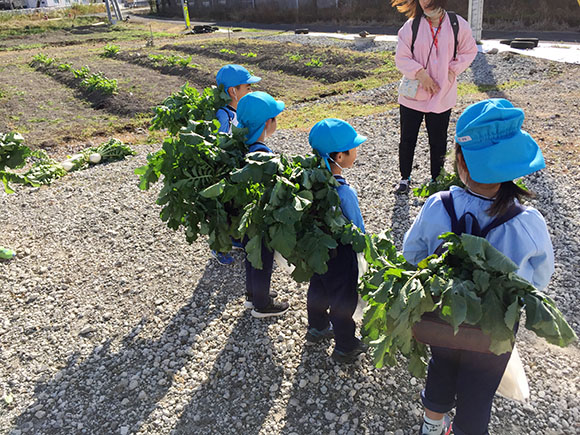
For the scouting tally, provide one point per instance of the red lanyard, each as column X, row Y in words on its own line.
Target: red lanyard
column 434, row 34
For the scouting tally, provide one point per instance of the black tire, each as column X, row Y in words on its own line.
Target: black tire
column 522, row 44
column 506, row 41
column 534, row 40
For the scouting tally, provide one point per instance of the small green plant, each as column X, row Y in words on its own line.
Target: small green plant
column 296, row 57
column 110, row 50
column 249, row 54
column 172, row 60
column 181, row 61
column 2, row 93
column 82, row 73
column 65, row 67
column 41, row 59
column 443, row 182
column 156, row 58
column 315, row 62
column 227, row 51
column 98, row 82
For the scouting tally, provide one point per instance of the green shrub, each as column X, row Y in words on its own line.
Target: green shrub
column 110, row 50
column 98, row 82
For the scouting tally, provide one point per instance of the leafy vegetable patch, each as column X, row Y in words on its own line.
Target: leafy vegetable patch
column 328, row 65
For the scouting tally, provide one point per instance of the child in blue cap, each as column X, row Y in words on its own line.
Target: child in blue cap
column 491, row 151
column 237, row 82
column 332, row 297
column 257, row 112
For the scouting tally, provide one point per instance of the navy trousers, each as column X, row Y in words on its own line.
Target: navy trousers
column 437, row 124
column 258, row 280
column 464, row 380
column 333, row 297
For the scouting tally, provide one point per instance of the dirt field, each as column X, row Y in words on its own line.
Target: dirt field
column 48, row 107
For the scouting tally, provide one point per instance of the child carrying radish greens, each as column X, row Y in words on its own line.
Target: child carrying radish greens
column 237, row 82
column 491, row 151
column 332, row 297
column 257, row 112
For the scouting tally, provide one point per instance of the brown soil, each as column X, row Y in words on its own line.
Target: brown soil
column 196, row 77
column 328, row 65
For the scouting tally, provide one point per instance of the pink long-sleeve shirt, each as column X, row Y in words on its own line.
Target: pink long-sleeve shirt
column 440, row 62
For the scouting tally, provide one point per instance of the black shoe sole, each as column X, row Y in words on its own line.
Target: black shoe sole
column 260, row 315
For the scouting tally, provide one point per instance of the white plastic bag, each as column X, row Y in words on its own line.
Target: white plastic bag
column 283, row 263
column 408, row 88
column 514, row 384
column 362, row 264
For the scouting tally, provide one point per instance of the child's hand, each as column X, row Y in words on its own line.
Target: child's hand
column 427, row 82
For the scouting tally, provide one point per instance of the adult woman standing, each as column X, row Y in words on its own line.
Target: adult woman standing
column 434, row 60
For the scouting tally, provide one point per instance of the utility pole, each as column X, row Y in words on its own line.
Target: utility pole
column 117, row 10
column 185, row 14
column 476, row 18
column 109, row 12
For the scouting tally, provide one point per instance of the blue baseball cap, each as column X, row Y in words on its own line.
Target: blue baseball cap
column 254, row 109
column 493, row 144
column 234, row 75
column 333, row 135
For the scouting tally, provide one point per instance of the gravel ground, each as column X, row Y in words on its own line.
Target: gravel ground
column 110, row 323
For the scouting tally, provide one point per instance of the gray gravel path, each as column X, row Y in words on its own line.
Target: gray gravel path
column 110, row 323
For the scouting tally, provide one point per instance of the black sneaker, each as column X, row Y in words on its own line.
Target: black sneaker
column 403, row 187
column 349, row 357
column 315, row 336
column 272, row 310
column 249, row 302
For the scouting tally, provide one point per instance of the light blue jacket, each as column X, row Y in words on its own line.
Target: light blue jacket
column 524, row 239
column 227, row 117
column 349, row 203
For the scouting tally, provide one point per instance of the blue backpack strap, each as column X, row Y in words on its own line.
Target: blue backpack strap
column 455, row 26
column 450, row 208
column 514, row 210
column 230, row 114
column 415, row 29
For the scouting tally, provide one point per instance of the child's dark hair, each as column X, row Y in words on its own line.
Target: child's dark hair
column 412, row 8
column 508, row 191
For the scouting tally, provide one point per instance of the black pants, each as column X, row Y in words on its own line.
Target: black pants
column 258, row 280
column 437, row 124
column 464, row 380
column 335, row 291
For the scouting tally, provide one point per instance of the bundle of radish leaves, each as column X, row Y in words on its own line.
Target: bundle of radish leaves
column 470, row 283
column 211, row 187
column 188, row 104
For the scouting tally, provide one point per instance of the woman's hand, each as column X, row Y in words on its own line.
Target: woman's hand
column 427, row 82
column 451, row 76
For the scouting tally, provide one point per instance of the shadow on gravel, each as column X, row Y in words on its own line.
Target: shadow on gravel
column 400, row 218
column 483, row 76
column 241, row 387
column 111, row 389
column 307, row 399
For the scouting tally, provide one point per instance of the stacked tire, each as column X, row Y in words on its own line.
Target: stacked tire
column 521, row 43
